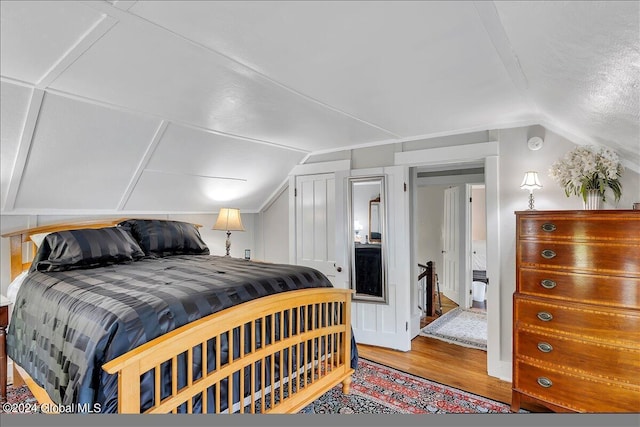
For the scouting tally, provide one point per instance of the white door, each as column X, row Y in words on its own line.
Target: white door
column 315, row 199
column 380, row 324
column 321, row 212
column 450, row 280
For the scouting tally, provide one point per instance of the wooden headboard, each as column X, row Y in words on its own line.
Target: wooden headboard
column 18, row 238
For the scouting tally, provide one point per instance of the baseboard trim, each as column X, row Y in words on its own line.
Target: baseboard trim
column 501, row 370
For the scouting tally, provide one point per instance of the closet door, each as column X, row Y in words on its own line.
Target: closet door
column 387, row 324
column 315, row 200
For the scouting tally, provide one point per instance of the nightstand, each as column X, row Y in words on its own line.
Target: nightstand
column 4, row 322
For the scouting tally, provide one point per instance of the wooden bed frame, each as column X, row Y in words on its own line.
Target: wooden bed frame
column 325, row 366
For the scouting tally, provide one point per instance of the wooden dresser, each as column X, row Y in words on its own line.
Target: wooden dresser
column 576, row 310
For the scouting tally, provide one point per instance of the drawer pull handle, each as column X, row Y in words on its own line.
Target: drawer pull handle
column 548, row 284
column 548, row 227
column 545, row 382
column 545, row 347
column 544, row 316
column 548, row 254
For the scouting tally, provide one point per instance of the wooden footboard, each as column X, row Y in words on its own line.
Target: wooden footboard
column 312, row 346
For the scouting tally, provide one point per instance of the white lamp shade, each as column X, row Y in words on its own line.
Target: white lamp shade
column 357, row 226
column 229, row 220
column 530, row 181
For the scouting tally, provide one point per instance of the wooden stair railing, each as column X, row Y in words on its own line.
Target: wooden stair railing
column 431, row 289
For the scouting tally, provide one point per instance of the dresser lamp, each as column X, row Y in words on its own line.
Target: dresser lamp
column 229, row 220
column 531, row 182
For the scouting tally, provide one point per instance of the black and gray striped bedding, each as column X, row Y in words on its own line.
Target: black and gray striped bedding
column 66, row 325
column 163, row 237
column 90, row 248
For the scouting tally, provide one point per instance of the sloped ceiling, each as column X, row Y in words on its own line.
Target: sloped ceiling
column 189, row 106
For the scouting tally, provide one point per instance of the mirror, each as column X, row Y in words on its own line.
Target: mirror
column 374, row 220
column 367, row 237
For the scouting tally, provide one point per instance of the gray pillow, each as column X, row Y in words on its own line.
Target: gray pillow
column 86, row 248
column 163, row 237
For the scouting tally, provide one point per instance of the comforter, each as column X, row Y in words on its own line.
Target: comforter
column 66, row 325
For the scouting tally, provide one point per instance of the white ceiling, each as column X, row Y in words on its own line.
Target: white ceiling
column 188, row 106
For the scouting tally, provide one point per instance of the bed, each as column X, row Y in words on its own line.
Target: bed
column 142, row 319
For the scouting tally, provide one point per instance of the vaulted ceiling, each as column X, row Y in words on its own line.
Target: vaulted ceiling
column 187, row 106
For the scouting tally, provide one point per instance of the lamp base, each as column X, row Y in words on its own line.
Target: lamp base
column 531, row 208
column 228, row 243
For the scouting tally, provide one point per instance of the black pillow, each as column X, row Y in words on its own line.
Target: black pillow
column 86, row 248
column 163, row 237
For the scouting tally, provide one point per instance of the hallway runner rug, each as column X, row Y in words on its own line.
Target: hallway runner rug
column 376, row 389
column 467, row 328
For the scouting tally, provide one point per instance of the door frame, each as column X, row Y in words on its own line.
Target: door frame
column 487, row 152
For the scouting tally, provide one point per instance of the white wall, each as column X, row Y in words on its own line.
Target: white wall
column 478, row 214
column 430, row 202
column 272, row 230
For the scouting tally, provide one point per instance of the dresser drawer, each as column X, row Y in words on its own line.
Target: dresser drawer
column 577, row 228
column 580, row 356
column 591, row 288
column 614, row 326
column 580, row 393
column 609, row 258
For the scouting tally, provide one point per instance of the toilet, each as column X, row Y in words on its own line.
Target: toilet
column 478, row 291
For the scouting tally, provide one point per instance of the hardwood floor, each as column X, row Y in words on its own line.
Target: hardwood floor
column 447, row 305
column 449, row 364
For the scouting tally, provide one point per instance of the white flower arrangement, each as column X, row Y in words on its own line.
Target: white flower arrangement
column 589, row 168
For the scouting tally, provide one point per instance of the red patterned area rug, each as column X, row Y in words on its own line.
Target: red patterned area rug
column 19, row 401
column 379, row 389
column 375, row 389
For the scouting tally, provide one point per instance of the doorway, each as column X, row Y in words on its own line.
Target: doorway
column 482, row 154
column 450, row 231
